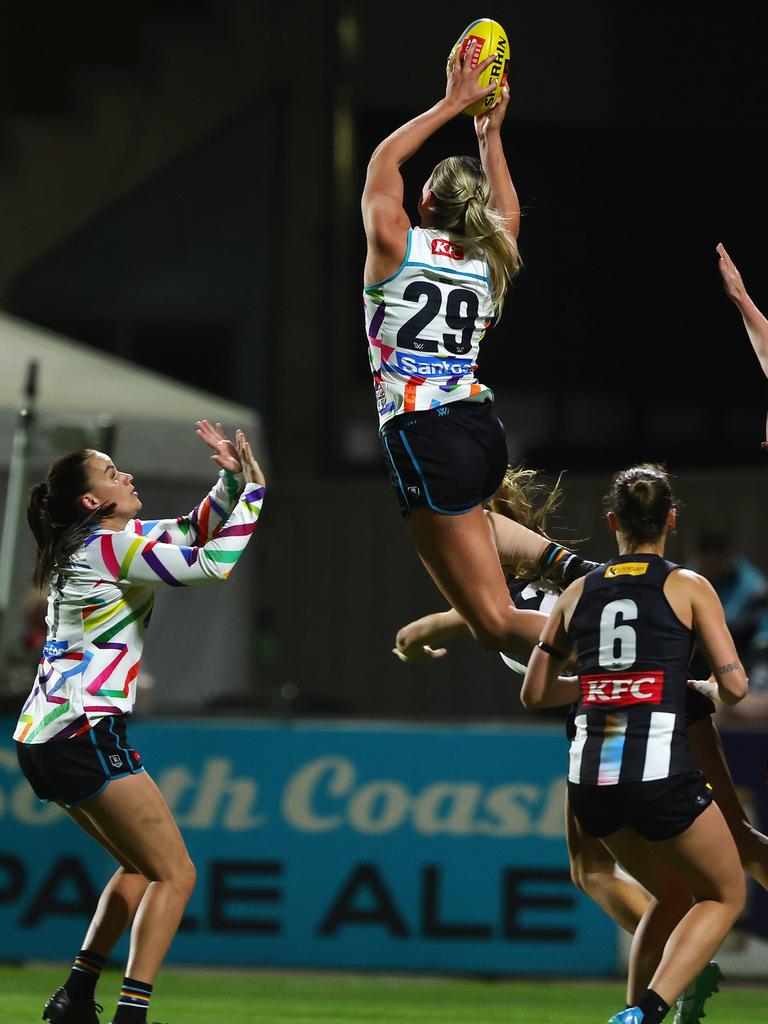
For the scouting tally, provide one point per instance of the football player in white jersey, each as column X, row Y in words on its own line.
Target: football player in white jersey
column 430, row 293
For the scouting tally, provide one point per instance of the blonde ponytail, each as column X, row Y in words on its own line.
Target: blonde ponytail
column 460, row 196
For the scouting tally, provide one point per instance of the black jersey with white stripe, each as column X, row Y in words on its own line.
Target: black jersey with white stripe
column 633, row 655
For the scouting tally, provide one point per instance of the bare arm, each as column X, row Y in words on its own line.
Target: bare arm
column 503, row 193
column 414, row 641
column 543, row 686
column 708, row 623
column 386, row 222
column 755, row 323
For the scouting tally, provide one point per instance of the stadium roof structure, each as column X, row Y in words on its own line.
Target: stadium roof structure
column 80, row 389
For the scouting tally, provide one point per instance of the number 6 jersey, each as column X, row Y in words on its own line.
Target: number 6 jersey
column 425, row 324
column 633, row 656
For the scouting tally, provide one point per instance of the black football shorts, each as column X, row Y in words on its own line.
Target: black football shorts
column 75, row 770
column 450, row 459
column 656, row 810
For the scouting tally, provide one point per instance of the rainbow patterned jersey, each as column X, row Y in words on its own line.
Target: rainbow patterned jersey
column 100, row 604
column 425, row 324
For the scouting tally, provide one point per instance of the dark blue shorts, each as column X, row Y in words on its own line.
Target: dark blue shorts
column 75, row 770
column 449, row 459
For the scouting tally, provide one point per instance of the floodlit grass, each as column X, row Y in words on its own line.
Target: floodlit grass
column 237, row 997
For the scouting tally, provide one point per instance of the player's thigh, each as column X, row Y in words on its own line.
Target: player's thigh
column 639, row 858
column 80, row 818
column 131, row 813
column 705, row 857
column 460, row 551
column 587, row 854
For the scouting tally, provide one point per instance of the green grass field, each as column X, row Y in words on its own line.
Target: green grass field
column 231, row 997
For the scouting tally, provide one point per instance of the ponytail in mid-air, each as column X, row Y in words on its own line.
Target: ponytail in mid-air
column 460, row 196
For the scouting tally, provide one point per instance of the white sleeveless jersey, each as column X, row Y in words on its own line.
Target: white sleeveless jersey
column 425, row 324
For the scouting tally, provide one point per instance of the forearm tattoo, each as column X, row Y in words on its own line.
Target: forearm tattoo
column 722, row 669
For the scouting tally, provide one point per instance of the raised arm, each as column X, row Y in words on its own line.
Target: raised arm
column 200, row 525
column 503, row 193
column 385, row 220
column 122, row 556
column 755, row 323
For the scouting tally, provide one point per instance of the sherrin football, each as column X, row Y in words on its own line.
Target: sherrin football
column 489, row 38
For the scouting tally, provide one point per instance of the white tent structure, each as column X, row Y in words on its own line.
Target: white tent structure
column 154, row 414
column 201, row 642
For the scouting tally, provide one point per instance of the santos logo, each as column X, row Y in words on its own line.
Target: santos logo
column 423, row 366
column 628, row 688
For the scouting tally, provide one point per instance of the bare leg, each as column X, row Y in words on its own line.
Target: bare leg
column 134, row 818
column 460, row 555
column 707, row 751
column 595, row 872
column 120, row 898
column 716, row 884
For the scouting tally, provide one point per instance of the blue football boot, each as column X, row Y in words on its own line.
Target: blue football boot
column 632, row 1015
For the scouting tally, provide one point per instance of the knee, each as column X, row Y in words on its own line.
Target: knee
column 579, row 876
column 187, row 877
column 735, row 895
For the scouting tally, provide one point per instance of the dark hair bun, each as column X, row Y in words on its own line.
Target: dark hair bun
column 640, row 497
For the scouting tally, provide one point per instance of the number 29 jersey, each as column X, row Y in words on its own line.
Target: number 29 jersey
column 633, row 655
column 425, row 324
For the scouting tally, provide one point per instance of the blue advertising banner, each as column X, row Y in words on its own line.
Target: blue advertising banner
column 331, row 845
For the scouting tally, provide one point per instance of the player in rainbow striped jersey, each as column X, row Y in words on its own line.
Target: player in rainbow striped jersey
column 103, row 567
column 430, row 294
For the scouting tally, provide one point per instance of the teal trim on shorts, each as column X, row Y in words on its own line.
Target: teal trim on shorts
column 397, row 474
column 417, row 467
column 103, row 786
column 386, row 280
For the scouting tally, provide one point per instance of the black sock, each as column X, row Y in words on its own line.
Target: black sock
column 654, row 1008
column 81, row 984
column 558, row 563
column 133, row 1002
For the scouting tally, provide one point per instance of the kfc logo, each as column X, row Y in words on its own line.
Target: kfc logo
column 443, row 247
column 621, row 689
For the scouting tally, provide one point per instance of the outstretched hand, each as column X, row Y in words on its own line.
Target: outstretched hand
column 490, row 120
column 251, row 469
column 463, row 86
column 418, row 652
column 225, row 452
column 732, row 282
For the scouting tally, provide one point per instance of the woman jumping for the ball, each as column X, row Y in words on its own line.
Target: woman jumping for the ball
column 430, row 294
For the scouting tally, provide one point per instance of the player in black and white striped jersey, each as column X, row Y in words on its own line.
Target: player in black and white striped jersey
column 632, row 781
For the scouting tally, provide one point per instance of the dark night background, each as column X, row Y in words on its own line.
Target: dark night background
column 179, row 184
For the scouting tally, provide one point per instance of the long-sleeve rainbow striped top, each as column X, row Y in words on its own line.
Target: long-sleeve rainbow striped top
column 100, row 604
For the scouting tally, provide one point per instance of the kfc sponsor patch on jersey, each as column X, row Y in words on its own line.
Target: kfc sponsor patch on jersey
column 618, row 689
column 444, row 247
